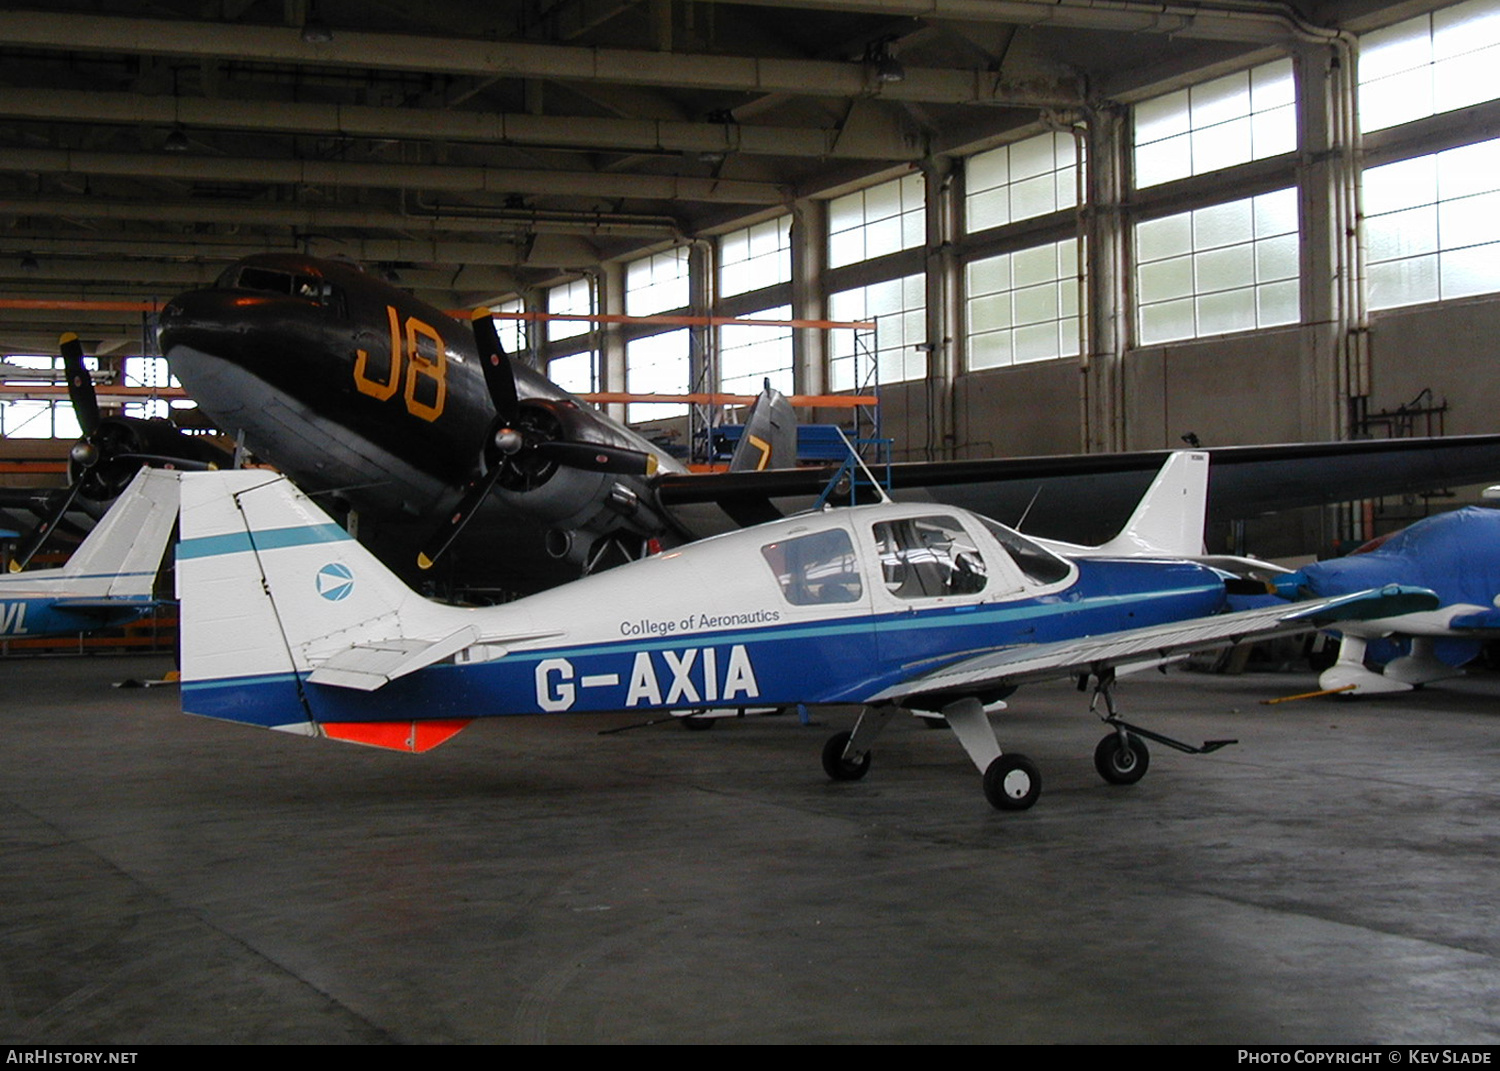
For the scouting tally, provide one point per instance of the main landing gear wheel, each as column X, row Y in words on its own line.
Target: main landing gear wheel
column 1122, row 764
column 1012, row 783
column 838, row 767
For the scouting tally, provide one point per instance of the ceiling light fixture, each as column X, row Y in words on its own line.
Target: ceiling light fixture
column 316, row 32
column 885, row 67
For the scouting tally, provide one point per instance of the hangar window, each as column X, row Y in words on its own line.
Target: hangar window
column 658, row 283
column 1030, row 178
column 928, row 557
column 1222, row 268
column 570, row 299
column 149, row 372
column 749, row 355
column 22, row 418
column 883, row 219
column 574, row 372
column 1023, row 306
column 513, row 334
column 657, row 364
column 1430, row 64
column 815, row 569
column 1246, row 116
column 756, row 257
column 899, row 309
column 1432, row 226
column 25, row 418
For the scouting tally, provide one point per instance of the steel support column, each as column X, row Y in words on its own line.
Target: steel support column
column 1104, row 302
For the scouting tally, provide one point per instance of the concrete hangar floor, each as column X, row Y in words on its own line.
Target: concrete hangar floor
column 171, row 879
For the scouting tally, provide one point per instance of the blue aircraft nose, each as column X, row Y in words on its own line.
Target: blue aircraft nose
column 1291, row 585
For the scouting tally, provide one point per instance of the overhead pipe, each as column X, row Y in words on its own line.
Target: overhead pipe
column 469, row 179
column 488, row 128
column 522, row 59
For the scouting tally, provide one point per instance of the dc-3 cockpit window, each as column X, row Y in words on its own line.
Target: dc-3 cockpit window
column 1038, row 563
column 286, row 284
column 924, row 557
column 815, row 569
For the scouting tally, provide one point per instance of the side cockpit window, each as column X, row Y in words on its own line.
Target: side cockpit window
column 815, row 569
column 927, row 557
column 1038, row 563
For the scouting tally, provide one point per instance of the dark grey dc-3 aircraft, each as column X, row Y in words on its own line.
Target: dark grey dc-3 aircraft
column 420, row 424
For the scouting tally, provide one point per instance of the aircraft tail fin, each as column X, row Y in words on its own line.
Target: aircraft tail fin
column 769, row 440
column 270, row 588
column 121, row 556
column 1171, row 515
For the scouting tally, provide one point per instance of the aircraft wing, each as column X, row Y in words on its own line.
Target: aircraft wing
column 1029, row 663
column 1085, row 498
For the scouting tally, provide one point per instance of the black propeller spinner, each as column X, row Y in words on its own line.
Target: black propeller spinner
column 523, row 446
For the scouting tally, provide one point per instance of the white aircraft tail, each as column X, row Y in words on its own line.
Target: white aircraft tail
column 1170, row 518
column 270, row 590
column 120, row 557
column 263, row 575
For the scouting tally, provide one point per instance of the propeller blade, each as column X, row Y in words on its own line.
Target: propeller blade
column 475, row 492
column 596, row 458
column 39, row 535
column 498, row 375
column 80, row 383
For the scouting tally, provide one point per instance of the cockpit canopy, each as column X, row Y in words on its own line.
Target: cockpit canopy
column 265, row 279
column 921, row 556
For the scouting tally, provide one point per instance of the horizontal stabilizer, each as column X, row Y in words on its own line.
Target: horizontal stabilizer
column 414, row 736
column 373, row 665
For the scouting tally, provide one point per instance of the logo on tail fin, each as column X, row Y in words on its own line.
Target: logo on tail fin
column 335, row 581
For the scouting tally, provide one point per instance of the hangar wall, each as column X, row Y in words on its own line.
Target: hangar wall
column 1160, row 326
column 1228, row 390
column 1450, row 349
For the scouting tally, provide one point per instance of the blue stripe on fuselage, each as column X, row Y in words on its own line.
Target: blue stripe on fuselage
column 836, row 660
column 43, row 617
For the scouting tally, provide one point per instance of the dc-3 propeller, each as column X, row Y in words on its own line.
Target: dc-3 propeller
column 524, row 444
column 112, row 449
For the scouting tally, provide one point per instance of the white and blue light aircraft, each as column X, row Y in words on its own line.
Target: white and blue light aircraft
column 288, row 623
column 109, row 578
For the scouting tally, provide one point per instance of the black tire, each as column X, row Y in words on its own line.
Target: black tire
column 838, row 767
column 1012, row 783
column 1122, row 765
column 696, row 723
